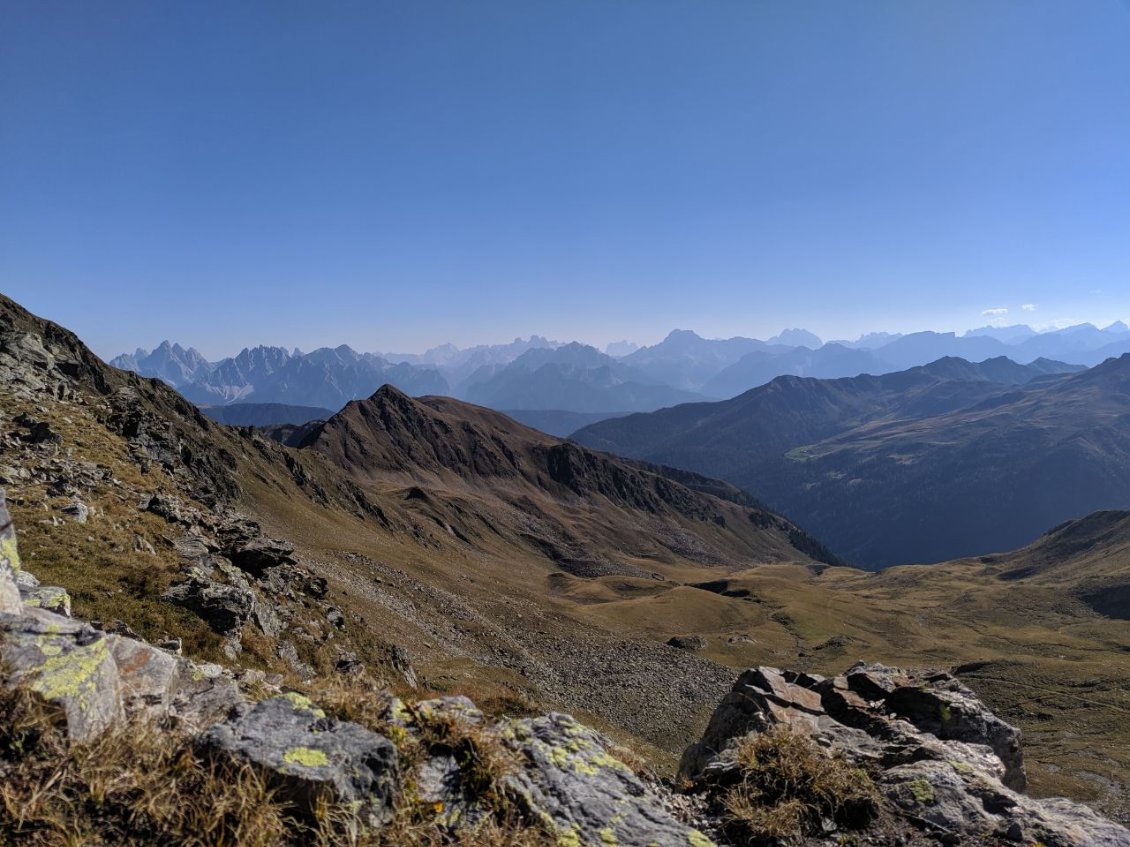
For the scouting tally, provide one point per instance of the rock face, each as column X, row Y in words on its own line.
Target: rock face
column 309, row 757
column 582, row 794
column 943, row 763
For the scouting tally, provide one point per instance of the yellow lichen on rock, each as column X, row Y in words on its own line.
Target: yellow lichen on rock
column 303, row 703
column 70, row 674
column 9, row 550
column 307, row 756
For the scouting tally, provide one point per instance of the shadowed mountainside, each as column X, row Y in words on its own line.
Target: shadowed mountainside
column 945, row 460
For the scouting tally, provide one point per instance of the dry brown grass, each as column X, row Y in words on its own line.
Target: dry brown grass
column 140, row 787
column 135, row 786
column 788, row 786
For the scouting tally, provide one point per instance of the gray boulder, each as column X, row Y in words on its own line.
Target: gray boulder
column 77, row 511
column 258, row 554
column 955, row 803
column 225, row 608
column 309, row 757
column 584, row 795
column 65, row 662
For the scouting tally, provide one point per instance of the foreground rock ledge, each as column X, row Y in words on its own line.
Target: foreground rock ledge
column 945, row 766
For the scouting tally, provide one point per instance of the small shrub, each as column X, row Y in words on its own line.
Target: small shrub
column 788, row 786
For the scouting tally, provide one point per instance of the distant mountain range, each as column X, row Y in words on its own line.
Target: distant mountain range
column 936, row 462
column 537, row 374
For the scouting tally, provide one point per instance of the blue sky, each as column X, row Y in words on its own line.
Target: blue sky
column 395, row 175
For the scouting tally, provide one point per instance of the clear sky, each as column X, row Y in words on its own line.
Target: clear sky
column 397, row 174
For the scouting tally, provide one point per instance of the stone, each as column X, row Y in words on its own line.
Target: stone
column 309, row 758
column 760, row 698
column 148, row 676
column 163, row 506
column 955, row 801
column 203, row 695
column 225, row 608
column 402, row 661
column 77, row 511
column 950, row 711
column 26, row 581
column 161, row 686
column 348, row 663
column 458, row 708
column 49, row 597
column 266, row 618
column 582, row 794
column 142, row 545
column 261, row 553
column 687, row 642
column 38, row 432
column 66, row 662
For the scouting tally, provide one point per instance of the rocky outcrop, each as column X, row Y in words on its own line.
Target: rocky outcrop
column 310, row 758
column 582, row 794
column 943, row 763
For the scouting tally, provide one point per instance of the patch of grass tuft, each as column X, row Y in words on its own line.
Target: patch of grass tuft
column 788, row 785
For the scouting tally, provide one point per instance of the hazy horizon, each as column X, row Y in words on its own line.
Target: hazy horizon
column 399, row 176
column 361, row 348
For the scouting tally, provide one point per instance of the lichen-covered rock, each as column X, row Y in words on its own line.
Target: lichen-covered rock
column 760, row 699
column 202, row 695
column 457, row 708
column 956, row 803
column 943, row 762
column 947, row 709
column 10, row 603
column 49, row 597
column 585, row 796
column 65, row 662
column 441, row 787
column 309, row 757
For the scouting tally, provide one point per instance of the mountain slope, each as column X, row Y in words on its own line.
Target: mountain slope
column 986, row 478
column 575, row 496
column 939, row 461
